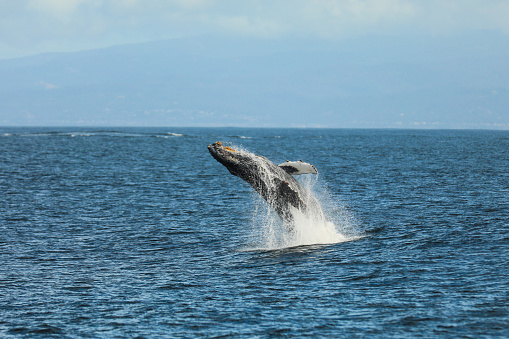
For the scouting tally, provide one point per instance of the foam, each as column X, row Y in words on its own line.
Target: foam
column 319, row 225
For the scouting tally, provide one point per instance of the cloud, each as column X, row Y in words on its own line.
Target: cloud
column 46, row 85
column 61, row 9
column 335, row 19
column 30, row 26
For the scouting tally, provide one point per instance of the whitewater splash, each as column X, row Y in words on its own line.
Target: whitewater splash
column 291, row 214
column 328, row 223
column 322, row 222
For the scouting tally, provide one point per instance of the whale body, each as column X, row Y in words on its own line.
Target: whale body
column 274, row 184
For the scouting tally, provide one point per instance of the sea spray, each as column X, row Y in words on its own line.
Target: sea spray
column 288, row 210
column 319, row 224
column 334, row 209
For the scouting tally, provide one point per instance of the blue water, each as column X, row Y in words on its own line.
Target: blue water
column 123, row 232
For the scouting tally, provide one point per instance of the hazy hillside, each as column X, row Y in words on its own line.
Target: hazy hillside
column 210, row 82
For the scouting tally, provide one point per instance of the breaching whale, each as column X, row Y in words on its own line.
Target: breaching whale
column 274, row 183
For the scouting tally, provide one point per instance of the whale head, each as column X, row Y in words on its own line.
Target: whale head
column 238, row 163
column 227, row 156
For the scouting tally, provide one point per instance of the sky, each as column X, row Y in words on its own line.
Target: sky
column 29, row 27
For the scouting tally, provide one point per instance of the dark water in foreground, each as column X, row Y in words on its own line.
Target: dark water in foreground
column 140, row 232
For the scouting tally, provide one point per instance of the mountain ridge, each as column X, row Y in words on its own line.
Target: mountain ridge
column 203, row 81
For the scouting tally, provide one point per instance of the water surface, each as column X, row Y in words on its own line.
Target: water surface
column 124, row 232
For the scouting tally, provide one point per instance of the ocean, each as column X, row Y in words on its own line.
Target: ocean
column 140, row 233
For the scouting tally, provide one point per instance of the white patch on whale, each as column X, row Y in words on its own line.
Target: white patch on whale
column 298, row 167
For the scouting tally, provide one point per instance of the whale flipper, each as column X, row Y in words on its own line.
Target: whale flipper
column 298, row 167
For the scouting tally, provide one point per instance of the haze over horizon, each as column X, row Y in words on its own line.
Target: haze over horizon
column 385, row 63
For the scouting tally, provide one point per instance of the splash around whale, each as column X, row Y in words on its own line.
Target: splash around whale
column 299, row 211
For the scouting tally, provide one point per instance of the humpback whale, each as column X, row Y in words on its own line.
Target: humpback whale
column 274, row 183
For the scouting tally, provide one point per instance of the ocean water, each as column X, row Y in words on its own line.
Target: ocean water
column 131, row 232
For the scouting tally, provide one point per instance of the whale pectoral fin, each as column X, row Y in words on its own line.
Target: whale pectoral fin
column 298, row 167
column 289, row 169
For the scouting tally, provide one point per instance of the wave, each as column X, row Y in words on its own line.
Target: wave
column 239, row 137
column 100, row 133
